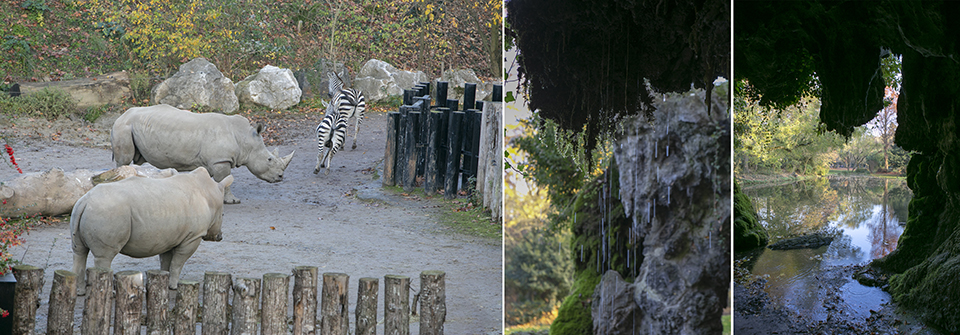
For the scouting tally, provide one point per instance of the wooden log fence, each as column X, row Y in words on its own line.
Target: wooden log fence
column 438, row 147
column 132, row 295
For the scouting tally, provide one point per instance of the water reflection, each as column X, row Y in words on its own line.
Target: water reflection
column 864, row 213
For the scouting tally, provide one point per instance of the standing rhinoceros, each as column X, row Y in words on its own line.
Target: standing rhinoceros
column 142, row 217
column 167, row 137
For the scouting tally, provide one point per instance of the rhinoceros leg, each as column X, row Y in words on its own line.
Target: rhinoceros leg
column 218, row 172
column 79, row 268
column 174, row 260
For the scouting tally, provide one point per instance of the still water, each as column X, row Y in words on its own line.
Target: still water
column 865, row 214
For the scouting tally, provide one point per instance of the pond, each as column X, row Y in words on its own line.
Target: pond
column 864, row 215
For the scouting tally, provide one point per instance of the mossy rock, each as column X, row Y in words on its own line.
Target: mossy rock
column 574, row 315
column 748, row 233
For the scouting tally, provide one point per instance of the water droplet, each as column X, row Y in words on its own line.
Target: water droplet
column 668, row 150
column 668, row 195
column 655, row 147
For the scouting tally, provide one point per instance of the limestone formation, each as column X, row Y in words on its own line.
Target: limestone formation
column 198, row 83
column 379, row 80
column 272, row 87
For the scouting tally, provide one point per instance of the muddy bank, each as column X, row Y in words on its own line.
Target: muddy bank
column 756, row 313
column 306, row 219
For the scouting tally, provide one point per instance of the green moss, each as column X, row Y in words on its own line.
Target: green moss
column 574, row 316
column 748, row 233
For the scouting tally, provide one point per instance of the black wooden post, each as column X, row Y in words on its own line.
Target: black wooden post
column 442, row 147
column 453, row 104
column 497, row 95
column 426, row 91
column 401, row 162
column 390, row 154
column 479, row 106
column 441, row 93
column 423, row 104
column 469, row 95
column 453, row 155
column 466, row 128
column 410, row 171
column 408, row 97
column 430, row 167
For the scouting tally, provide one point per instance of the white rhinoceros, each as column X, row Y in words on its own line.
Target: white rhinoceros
column 167, row 137
column 142, row 217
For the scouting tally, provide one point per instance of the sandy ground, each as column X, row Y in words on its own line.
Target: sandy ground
column 341, row 222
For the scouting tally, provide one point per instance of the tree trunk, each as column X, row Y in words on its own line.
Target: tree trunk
column 96, row 307
column 433, row 306
column 396, row 305
column 367, row 306
column 334, row 307
column 157, row 301
column 305, row 300
column 216, row 295
column 129, row 305
column 185, row 311
column 274, row 320
column 246, row 300
column 26, row 298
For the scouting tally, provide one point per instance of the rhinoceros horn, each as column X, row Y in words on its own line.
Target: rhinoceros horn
column 286, row 160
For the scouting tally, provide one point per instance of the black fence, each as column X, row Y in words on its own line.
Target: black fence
column 434, row 146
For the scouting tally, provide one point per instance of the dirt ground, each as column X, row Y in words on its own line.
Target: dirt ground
column 341, row 222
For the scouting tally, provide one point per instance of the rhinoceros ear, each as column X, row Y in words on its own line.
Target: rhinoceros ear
column 225, row 182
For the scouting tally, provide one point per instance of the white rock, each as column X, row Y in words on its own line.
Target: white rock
column 272, row 87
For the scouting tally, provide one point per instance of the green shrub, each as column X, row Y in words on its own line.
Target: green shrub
column 49, row 103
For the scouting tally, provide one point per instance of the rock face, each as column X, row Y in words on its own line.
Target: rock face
column 110, row 88
column 379, row 80
column 456, row 78
column 197, row 83
column 272, row 87
column 674, row 185
column 748, row 233
column 612, row 306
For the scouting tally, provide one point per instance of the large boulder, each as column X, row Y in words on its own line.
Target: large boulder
column 612, row 307
column 457, row 77
column 197, row 83
column 111, row 88
column 378, row 80
column 748, row 233
column 272, row 87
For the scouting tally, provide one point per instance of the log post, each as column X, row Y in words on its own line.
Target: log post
column 453, row 104
column 396, row 305
column 26, row 298
column 466, row 144
column 433, row 306
column 96, row 307
column 246, row 300
column 367, row 306
column 274, row 307
column 216, row 295
column 408, row 97
column 442, row 93
column 431, row 168
column 157, row 301
column 63, row 301
column 129, row 305
column 469, row 95
column 334, row 307
column 489, row 166
column 424, row 103
column 401, row 165
column 185, row 310
column 305, row 300
column 442, row 147
column 453, row 155
column 410, row 170
column 390, row 154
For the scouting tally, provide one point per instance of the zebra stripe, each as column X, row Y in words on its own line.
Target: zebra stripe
column 330, row 135
column 350, row 102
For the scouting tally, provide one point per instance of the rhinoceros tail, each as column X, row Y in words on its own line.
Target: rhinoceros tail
column 121, row 138
column 75, row 216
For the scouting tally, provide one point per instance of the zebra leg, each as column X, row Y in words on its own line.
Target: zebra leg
column 356, row 132
column 317, row 168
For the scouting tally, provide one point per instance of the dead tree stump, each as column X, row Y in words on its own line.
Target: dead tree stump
column 396, row 305
column 334, row 307
column 246, row 300
column 96, row 307
column 185, row 310
column 433, row 306
column 216, row 295
column 274, row 318
column 63, row 300
column 157, row 301
column 305, row 300
column 367, row 306
column 26, row 298
column 129, row 305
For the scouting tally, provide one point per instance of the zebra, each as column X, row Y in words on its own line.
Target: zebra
column 330, row 134
column 351, row 102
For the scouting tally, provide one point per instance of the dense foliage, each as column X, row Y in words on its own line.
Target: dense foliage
column 53, row 40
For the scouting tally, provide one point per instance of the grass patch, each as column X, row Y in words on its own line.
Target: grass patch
column 462, row 215
column 49, row 103
column 726, row 324
column 540, row 329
